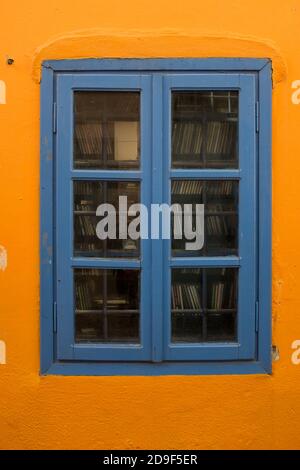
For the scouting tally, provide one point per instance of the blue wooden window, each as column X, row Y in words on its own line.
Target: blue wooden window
column 159, row 132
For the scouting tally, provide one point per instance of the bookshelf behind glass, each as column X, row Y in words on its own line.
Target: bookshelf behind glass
column 204, row 129
column 220, row 200
column 106, row 130
column 107, row 305
column 88, row 196
column 204, row 305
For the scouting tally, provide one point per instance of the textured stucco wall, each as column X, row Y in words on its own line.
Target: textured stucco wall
column 141, row 412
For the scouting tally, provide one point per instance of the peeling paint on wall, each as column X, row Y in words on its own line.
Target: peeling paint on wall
column 2, row 92
column 3, row 258
column 2, row 352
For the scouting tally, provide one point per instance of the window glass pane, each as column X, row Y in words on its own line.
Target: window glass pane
column 220, row 200
column 106, row 130
column 107, row 305
column 205, row 129
column 187, row 305
column 88, row 195
column 204, row 305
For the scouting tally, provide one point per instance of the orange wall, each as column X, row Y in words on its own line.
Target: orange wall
column 142, row 412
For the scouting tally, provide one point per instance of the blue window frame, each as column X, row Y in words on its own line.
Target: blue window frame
column 227, row 282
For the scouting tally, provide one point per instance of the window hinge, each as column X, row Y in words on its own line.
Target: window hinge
column 256, row 316
column 54, row 117
column 54, row 317
column 257, row 116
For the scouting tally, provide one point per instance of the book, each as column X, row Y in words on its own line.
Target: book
column 185, row 297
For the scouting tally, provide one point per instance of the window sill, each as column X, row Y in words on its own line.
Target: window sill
column 165, row 368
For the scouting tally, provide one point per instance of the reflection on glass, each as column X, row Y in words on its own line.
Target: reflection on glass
column 220, row 199
column 88, row 195
column 204, row 305
column 204, row 129
column 107, row 305
column 106, row 130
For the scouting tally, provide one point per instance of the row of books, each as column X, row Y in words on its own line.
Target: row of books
column 217, row 294
column 87, row 300
column 83, row 295
column 187, row 138
column 85, row 226
column 217, row 137
column 219, row 188
column 184, row 297
column 222, row 296
column 217, row 225
column 115, row 140
column 89, row 139
column 187, row 296
column 113, row 189
column 187, row 187
column 220, row 137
